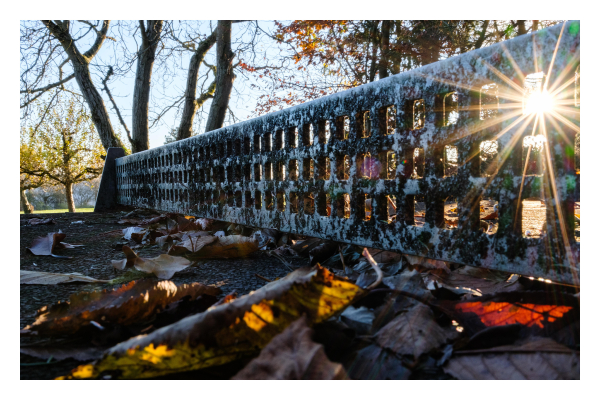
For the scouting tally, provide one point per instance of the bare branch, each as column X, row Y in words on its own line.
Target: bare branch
column 112, row 100
column 100, row 36
column 51, row 86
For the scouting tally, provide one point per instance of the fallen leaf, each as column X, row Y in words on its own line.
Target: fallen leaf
column 493, row 313
column 535, row 359
column 39, row 221
column 127, row 232
column 164, row 266
column 129, row 304
column 138, row 237
column 493, row 215
column 538, row 310
column 165, row 239
column 322, row 252
column 191, row 245
column 264, row 237
column 130, row 221
column 285, row 251
column 383, row 256
column 303, row 247
column 230, row 331
column 235, row 246
column 456, row 279
column 49, row 278
column 451, row 222
column 373, row 362
column 46, row 245
column 360, row 319
column 414, row 333
column 427, row 263
column 204, row 223
column 293, row 355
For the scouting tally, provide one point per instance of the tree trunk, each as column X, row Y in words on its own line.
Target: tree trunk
column 534, row 25
column 375, row 43
column 481, row 37
column 141, row 90
column 27, row 208
column 69, row 195
column 80, row 64
column 224, row 79
column 190, row 103
column 521, row 30
column 385, row 49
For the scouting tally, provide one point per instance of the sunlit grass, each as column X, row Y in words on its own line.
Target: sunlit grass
column 62, row 210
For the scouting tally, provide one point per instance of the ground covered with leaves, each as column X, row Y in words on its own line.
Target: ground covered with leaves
column 136, row 294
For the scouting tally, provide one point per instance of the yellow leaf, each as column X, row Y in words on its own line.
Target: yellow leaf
column 229, row 331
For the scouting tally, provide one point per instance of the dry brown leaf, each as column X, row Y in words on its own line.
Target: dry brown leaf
column 49, row 278
column 163, row 266
column 40, row 221
column 191, row 244
column 128, row 262
column 293, row 355
column 230, row 331
column 127, row 232
column 130, row 221
column 485, row 286
column 535, row 359
column 46, row 245
column 162, row 240
column 493, row 215
column 383, row 256
column 427, row 263
column 375, row 363
column 234, row 246
column 303, row 247
column 414, row 332
column 131, row 303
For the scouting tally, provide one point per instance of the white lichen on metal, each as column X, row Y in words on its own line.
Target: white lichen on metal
column 216, row 175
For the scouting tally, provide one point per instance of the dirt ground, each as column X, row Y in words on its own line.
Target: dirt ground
column 101, row 238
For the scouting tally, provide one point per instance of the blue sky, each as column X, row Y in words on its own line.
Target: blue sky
column 169, row 77
column 169, row 83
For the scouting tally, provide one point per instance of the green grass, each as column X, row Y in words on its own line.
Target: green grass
column 64, row 210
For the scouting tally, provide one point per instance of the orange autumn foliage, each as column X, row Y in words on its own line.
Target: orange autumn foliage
column 503, row 313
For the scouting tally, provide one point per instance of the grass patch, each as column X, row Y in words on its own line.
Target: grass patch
column 62, row 210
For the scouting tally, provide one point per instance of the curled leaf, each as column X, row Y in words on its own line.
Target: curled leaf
column 191, row 244
column 127, row 232
column 538, row 358
column 46, row 245
column 164, row 266
column 49, row 278
column 131, row 303
column 292, row 355
column 230, row 331
column 414, row 332
column 40, row 221
column 235, row 246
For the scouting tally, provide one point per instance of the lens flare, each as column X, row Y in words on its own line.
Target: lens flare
column 539, row 102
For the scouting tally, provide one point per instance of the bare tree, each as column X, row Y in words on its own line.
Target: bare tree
column 141, row 92
column 80, row 64
column 190, row 102
column 224, row 78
